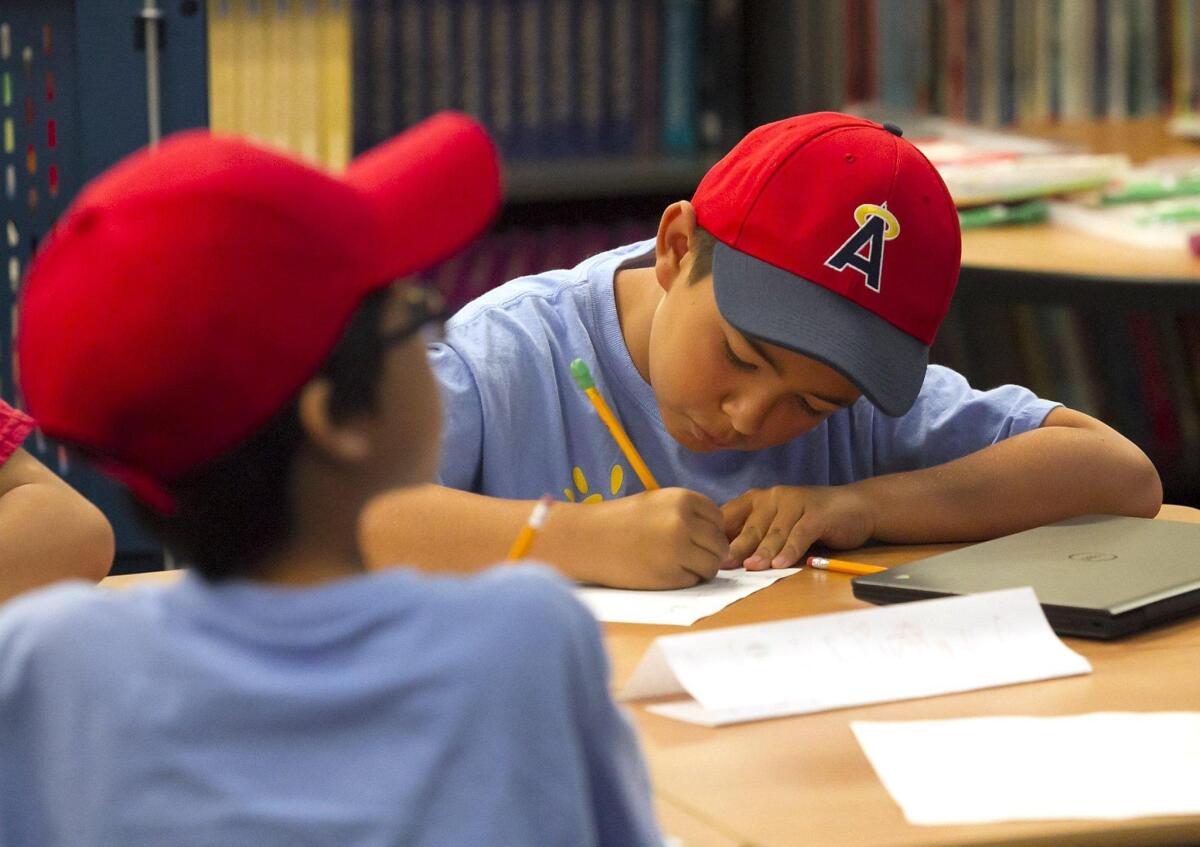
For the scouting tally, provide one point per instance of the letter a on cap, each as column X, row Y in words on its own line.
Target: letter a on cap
column 876, row 227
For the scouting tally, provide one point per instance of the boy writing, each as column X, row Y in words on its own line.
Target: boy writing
column 47, row 530
column 768, row 354
column 256, row 379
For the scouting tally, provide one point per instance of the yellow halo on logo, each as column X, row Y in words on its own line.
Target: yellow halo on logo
column 866, row 210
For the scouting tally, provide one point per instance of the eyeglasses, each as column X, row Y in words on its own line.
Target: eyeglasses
column 426, row 313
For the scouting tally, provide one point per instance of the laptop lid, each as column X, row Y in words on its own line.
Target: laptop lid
column 1096, row 576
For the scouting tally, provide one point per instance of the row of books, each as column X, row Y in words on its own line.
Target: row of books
column 548, row 77
column 328, row 78
column 1137, row 371
column 1000, row 62
column 279, row 72
column 502, row 256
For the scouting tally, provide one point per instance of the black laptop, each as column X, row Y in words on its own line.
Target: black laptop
column 1096, row 576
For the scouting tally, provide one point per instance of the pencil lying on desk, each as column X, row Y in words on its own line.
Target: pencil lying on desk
column 838, row 566
column 524, row 540
column 583, row 378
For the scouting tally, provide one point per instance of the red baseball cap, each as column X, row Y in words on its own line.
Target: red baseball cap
column 836, row 239
column 193, row 288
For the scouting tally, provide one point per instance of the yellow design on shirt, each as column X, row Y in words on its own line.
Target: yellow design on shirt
column 616, row 479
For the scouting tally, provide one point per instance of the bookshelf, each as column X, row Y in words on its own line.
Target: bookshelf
column 1107, row 328
column 74, row 100
column 332, row 76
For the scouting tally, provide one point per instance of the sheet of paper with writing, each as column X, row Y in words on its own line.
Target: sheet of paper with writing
column 1105, row 765
column 681, row 606
column 845, row 659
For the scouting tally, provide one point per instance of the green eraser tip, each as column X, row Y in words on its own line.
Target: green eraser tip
column 583, row 377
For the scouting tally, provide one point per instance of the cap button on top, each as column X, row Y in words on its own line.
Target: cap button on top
column 893, row 129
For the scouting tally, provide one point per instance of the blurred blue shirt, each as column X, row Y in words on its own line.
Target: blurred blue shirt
column 389, row 709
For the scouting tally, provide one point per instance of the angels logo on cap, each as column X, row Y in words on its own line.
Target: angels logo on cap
column 807, row 216
column 876, row 227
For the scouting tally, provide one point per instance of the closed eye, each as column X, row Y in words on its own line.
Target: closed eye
column 809, row 409
column 740, row 364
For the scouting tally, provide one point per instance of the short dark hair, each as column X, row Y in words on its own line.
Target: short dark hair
column 235, row 511
column 702, row 264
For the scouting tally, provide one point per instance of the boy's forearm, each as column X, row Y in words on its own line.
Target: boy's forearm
column 444, row 529
column 1072, row 465
column 48, row 532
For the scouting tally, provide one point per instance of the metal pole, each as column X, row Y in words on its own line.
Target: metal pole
column 151, row 15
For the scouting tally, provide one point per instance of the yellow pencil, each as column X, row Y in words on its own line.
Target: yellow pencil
column 583, row 378
column 524, row 541
column 839, row 566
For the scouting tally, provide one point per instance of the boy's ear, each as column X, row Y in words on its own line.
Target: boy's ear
column 342, row 442
column 673, row 246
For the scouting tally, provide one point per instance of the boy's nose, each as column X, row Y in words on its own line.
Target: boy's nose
column 748, row 412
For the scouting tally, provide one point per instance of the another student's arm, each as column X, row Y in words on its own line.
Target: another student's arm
column 48, row 531
column 671, row 538
column 1072, row 464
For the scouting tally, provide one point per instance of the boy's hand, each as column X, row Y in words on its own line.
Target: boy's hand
column 774, row 527
column 670, row 538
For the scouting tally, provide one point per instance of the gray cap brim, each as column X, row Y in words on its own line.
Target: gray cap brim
column 887, row 364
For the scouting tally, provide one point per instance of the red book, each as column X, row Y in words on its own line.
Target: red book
column 956, row 58
column 1156, row 388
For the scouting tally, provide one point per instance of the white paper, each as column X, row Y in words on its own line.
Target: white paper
column 681, row 606
column 876, row 655
column 1106, row 765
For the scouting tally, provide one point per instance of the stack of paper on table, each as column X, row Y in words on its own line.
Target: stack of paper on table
column 1157, row 225
column 1106, row 765
column 853, row 658
column 681, row 606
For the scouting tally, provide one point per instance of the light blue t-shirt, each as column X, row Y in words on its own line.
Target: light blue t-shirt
column 390, row 709
column 517, row 426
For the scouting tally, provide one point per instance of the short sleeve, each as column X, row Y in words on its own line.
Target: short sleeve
column 15, row 425
column 949, row 420
column 462, row 419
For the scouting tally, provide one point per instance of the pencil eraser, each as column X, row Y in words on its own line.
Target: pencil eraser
column 583, row 377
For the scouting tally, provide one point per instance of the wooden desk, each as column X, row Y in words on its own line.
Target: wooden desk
column 1053, row 251
column 805, row 780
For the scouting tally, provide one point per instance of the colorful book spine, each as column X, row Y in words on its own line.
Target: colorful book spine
column 532, row 124
column 1100, row 58
column 956, row 58
column 681, row 75
column 619, row 116
column 563, row 86
column 1184, row 401
column 502, row 74
column 1055, row 60
column 336, row 86
column 1155, row 386
column 250, row 18
column 591, row 70
column 411, row 57
column 649, row 113
column 1185, row 24
column 1006, row 85
column 473, row 48
column 222, row 66
column 305, row 114
column 723, row 62
column 444, row 62
column 1078, row 62
column 897, row 59
column 974, row 64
